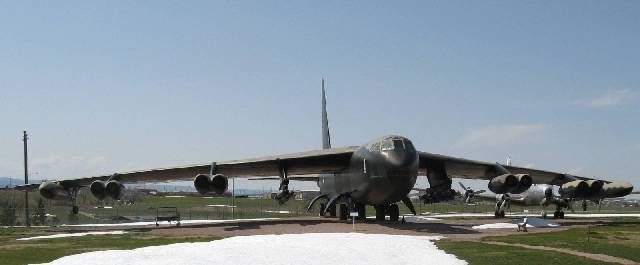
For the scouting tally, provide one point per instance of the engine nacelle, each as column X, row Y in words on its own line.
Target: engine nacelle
column 207, row 183
column 574, row 189
column 98, row 189
column 114, row 189
column 102, row 189
column 503, row 184
column 524, row 183
column 53, row 191
column 616, row 189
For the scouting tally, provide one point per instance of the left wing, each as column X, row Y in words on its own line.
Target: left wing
column 471, row 169
column 302, row 165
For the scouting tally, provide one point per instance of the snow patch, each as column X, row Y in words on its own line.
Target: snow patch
column 74, row 235
column 269, row 211
column 221, row 205
column 172, row 223
column 308, row 249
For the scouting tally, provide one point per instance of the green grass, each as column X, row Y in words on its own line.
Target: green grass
column 45, row 250
column 614, row 239
column 477, row 253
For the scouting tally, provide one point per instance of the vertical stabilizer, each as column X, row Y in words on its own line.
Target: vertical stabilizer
column 326, row 137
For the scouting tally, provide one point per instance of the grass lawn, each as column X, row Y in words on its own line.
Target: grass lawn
column 477, row 253
column 614, row 239
column 46, row 250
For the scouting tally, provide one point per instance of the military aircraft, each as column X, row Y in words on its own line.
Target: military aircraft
column 543, row 195
column 380, row 172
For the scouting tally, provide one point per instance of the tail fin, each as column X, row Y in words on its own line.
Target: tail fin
column 326, row 137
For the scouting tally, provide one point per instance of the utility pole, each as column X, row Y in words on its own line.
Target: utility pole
column 26, row 181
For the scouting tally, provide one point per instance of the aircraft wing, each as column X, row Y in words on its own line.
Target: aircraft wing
column 303, row 164
column 471, row 169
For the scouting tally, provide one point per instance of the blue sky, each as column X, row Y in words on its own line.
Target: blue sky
column 108, row 86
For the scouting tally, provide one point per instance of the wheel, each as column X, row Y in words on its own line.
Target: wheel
column 321, row 209
column 332, row 211
column 502, row 215
column 362, row 211
column 344, row 212
column 556, row 214
column 157, row 224
column 380, row 212
column 394, row 212
column 496, row 214
column 74, row 209
column 561, row 215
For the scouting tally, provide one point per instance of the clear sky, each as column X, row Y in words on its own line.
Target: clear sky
column 108, row 86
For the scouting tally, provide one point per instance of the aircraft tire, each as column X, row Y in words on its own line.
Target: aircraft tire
column 344, row 212
column 556, row 214
column 496, row 214
column 74, row 209
column 362, row 211
column 380, row 212
column 321, row 209
column 502, row 215
column 332, row 211
column 561, row 215
column 394, row 212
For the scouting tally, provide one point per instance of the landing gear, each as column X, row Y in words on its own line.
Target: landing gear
column 362, row 211
column 321, row 209
column 558, row 215
column 584, row 205
column 499, row 214
column 344, row 212
column 74, row 209
column 332, row 211
column 381, row 212
column 394, row 212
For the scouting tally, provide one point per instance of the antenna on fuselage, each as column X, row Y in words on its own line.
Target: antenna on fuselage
column 326, row 137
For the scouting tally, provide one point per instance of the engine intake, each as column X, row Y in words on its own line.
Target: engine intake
column 504, row 183
column 53, row 191
column 573, row 189
column 207, row 183
column 103, row 189
column 524, row 183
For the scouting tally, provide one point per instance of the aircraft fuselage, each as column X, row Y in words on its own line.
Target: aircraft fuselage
column 383, row 171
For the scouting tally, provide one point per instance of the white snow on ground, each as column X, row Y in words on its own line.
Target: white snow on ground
column 532, row 222
column 268, row 211
column 221, row 205
column 74, row 235
column 308, row 249
column 172, row 223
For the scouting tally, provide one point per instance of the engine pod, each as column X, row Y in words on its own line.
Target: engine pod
column 114, row 189
column 98, row 189
column 503, row 184
column 53, row 191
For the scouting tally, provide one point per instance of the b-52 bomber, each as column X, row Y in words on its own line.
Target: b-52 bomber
column 380, row 173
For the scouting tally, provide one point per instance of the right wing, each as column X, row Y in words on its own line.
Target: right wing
column 472, row 169
column 302, row 165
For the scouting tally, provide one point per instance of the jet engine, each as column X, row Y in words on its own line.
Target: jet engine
column 616, row 189
column 53, row 191
column 504, row 183
column 102, row 189
column 524, row 183
column 581, row 188
column 207, row 183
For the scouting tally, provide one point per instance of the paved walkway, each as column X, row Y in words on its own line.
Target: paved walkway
column 598, row 257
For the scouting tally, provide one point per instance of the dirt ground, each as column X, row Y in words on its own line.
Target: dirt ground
column 454, row 229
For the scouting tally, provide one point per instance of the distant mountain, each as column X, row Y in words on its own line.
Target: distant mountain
column 4, row 181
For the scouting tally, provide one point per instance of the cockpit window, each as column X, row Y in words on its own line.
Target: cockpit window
column 375, row 147
column 399, row 144
column 387, row 145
